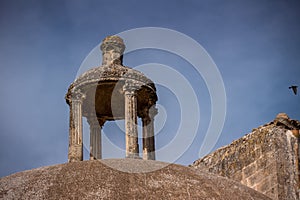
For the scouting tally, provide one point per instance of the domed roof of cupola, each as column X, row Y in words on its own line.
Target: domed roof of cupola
column 113, row 72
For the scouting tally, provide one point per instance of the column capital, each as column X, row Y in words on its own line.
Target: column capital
column 131, row 86
column 152, row 112
column 77, row 96
column 95, row 121
column 144, row 113
column 101, row 121
column 148, row 114
column 92, row 120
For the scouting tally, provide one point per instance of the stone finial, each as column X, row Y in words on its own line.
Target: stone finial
column 282, row 116
column 112, row 48
column 282, row 119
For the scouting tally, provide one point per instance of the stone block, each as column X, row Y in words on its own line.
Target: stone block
column 265, row 184
column 266, row 160
column 237, row 176
column 256, row 177
column 272, row 192
column 249, row 170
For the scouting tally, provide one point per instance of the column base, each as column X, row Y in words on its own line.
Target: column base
column 148, row 155
column 75, row 153
column 134, row 156
column 93, row 158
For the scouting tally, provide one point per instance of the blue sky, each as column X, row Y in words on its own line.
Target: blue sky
column 255, row 45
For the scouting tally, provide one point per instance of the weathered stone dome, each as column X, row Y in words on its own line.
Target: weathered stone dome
column 113, row 72
column 95, row 180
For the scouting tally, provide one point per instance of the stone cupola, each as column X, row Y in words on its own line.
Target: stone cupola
column 112, row 92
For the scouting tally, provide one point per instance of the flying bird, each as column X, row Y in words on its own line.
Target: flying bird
column 294, row 88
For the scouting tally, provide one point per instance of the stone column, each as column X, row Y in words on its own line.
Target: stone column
column 95, row 137
column 132, row 147
column 75, row 129
column 148, row 134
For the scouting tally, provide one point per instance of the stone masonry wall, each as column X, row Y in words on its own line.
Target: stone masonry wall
column 266, row 160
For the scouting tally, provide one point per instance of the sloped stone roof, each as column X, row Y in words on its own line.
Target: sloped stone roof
column 112, row 72
column 95, row 180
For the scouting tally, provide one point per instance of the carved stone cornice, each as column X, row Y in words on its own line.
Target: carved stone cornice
column 112, row 72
